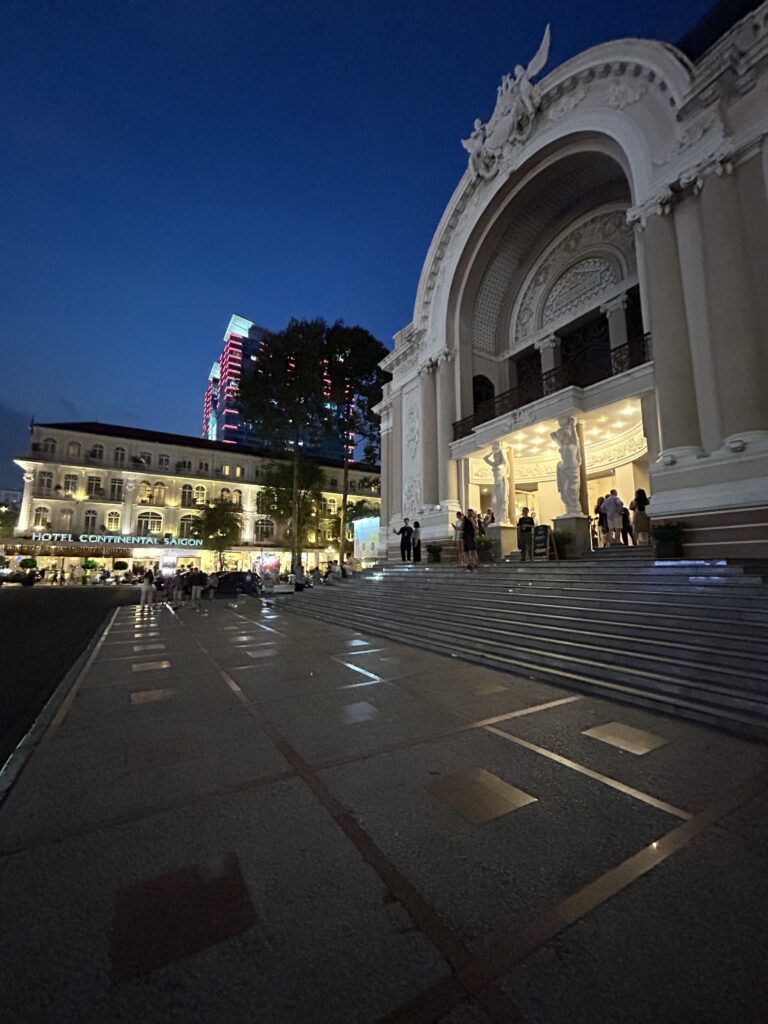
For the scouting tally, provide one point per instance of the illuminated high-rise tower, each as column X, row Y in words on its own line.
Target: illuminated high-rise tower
column 222, row 419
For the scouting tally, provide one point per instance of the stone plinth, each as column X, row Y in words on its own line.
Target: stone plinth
column 578, row 527
column 503, row 538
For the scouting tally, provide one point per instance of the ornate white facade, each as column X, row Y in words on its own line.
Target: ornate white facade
column 604, row 258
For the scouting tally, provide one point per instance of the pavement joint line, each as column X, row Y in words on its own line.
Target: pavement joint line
column 606, row 780
column 424, row 916
column 358, row 654
column 500, row 956
column 37, row 735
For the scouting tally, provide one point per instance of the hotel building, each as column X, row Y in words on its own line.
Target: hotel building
column 111, row 492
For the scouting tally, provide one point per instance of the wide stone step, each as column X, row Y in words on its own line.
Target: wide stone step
column 741, row 670
column 744, row 648
column 740, row 710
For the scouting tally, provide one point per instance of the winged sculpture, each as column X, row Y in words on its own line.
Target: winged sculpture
column 517, row 100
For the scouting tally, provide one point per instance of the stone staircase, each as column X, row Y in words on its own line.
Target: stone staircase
column 686, row 637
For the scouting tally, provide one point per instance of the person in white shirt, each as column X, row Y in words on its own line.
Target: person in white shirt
column 612, row 507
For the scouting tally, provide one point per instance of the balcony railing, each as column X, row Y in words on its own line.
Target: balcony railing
column 592, row 364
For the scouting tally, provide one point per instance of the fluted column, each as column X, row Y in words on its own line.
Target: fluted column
column 614, row 310
column 446, row 415
column 429, row 453
column 396, row 494
column 583, row 489
column 24, row 524
column 386, row 469
column 128, row 506
column 678, row 412
column 737, row 342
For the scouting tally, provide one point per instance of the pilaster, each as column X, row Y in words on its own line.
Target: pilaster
column 446, row 411
column 549, row 350
column 429, row 442
column 615, row 311
column 678, row 412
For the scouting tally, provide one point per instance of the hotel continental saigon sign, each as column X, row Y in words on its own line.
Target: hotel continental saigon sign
column 122, row 540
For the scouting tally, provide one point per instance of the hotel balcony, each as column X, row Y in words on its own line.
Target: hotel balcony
column 592, row 364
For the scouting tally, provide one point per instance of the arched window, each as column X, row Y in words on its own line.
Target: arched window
column 97, row 452
column 237, row 498
column 66, row 519
column 113, row 522
column 226, row 494
column 483, row 392
column 70, row 483
column 89, row 522
column 120, row 454
column 186, row 496
column 187, row 525
column 328, row 508
column 41, row 516
column 146, row 458
column 158, row 493
column 200, row 495
column 145, row 492
column 44, row 481
column 48, row 445
column 262, row 503
column 73, row 449
column 149, row 523
column 263, row 529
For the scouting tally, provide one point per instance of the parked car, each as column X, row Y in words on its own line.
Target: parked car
column 26, row 579
column 234, row 583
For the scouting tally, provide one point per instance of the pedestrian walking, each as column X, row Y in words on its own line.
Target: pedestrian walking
column 197, row 583
column 602, row 522
column 54, row 577
column 627, row 533
column 147, row 590
column 416, row 540
column 406, row 536
column 525, row 525
column 213, row 585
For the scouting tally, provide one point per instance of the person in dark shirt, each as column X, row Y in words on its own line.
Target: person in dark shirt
column 468, row 533
column 525, row 525
column 406, row 536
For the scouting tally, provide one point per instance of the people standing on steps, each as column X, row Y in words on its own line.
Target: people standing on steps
column 641, row 521
column 525, row 525
column 406, row 536
column 416, row 541
column 627, row 533
column 458, row 529
column 602, row 523
column 612, row 507
column 468, row 537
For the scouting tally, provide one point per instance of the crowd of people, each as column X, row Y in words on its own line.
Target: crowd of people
column 188, row 585
column 615, row 523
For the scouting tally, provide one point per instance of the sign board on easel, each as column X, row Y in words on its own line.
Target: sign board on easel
column 543, row 544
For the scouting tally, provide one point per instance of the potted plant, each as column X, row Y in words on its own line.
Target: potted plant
column 484, row 547
column 121, row 566
column 28, row 563
column 563, row 540
column 87, row 565
column 434, row 552
column 668, row 539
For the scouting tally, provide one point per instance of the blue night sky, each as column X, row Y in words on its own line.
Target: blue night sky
column 166, row 164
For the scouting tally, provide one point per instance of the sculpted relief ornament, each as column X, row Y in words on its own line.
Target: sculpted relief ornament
column 517, row 102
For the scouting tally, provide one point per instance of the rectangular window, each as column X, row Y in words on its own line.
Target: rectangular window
column 116, row 490
column 146, row 458
column 44, row 481
column 94, row 486
column 238, row 470
column 163, row 461
column 202, row 467
column 70, row 483
column 225, row 470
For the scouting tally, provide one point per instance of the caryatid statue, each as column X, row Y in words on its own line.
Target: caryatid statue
column 569, row 466
column 498, row 463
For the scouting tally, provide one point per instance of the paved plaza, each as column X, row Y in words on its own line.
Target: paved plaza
column 244, row 815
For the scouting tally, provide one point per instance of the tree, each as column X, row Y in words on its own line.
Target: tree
column 355, row 382
column 9, row 516
column 219, row 525
column 277, row 494
column 285, row 397
column 360, row 509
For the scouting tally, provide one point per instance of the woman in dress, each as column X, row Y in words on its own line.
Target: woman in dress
column 641, row 521
column 416, row 541
column 602, row 523
column 468, row 536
